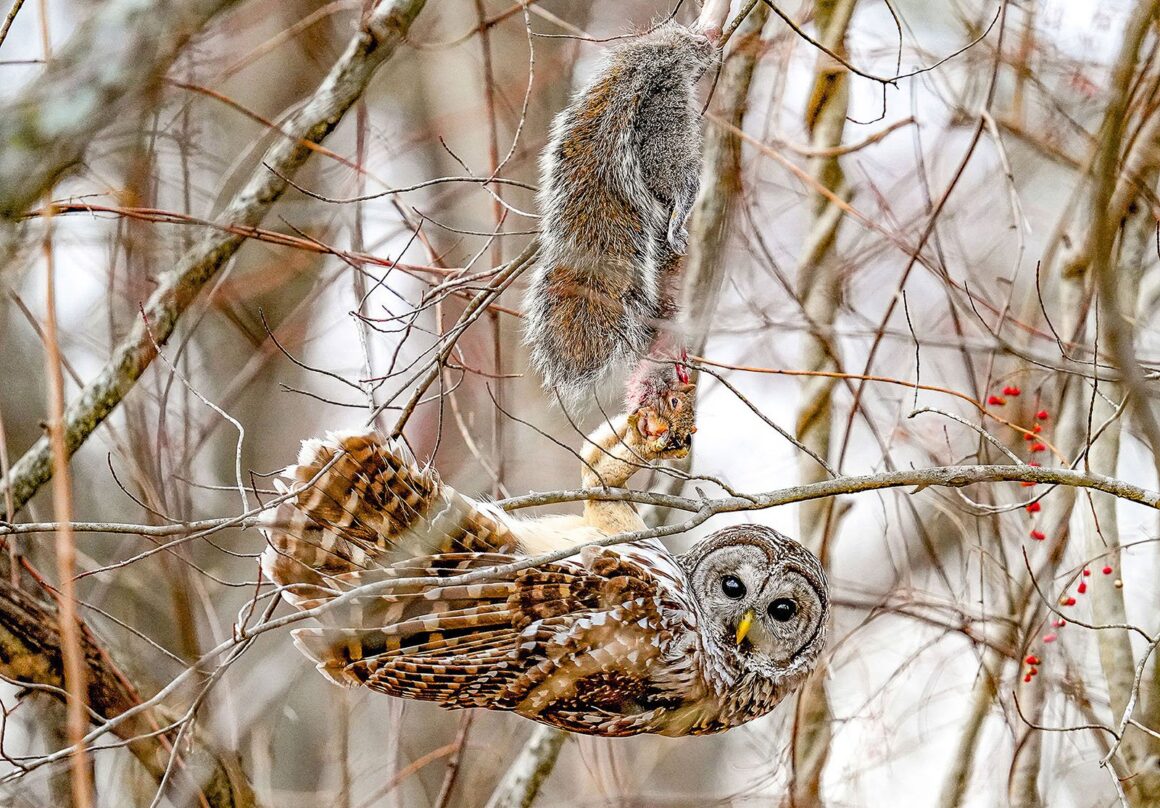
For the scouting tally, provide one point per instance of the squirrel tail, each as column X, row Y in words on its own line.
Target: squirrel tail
column 582, row 324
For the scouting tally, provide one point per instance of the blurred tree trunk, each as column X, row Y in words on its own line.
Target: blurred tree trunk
column 90, row 81
column 820, row 290
column 30, row 652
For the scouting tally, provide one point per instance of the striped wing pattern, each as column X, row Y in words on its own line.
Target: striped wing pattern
column 570, row 644
column 365, row 503
column 574, row 643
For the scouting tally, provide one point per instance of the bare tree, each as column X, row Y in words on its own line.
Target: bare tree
column 921, row 291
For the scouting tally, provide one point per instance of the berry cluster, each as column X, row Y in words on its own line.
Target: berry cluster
column 1033, row 661
column 1035, row 446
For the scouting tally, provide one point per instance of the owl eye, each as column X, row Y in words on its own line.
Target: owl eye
column 732, row 587
column 675, row 403
column 783, row 610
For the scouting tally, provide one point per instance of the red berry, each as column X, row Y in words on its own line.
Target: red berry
column 1033, row 464
column 1037, row 428
column 996, row 401
column 1069, row 602
column 1086, row 572
column 1032, row 659
column 1027, row 678
column 1038, row 447
column 1033, row 671
column 1028, row 436
column 1049, row 637
column 1034, row 507
column 1041, row 415
column 1011, row 390
column 1059, row 622
column 1038, row 535
column 1026, row 484
column 1107, row 570
column 1082, row 587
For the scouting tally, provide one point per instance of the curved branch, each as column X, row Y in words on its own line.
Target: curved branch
column 88, row 84
column 30, row 653
column 374, row 42
column 937, row 476
column 1117, row 323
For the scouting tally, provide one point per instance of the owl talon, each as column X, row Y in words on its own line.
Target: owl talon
column 655, row 431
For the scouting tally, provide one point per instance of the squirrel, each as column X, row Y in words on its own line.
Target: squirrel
column 619, row 178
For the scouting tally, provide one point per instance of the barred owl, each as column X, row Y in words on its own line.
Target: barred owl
column 613, row 641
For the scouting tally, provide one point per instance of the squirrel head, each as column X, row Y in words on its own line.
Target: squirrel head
column 668, row 422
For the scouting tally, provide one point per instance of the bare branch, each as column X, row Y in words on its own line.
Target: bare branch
column 376, row 40
column 89, row 83
column 521, row 783
column 30, row 652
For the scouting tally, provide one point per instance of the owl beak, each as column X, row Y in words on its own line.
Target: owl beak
column 744, row 625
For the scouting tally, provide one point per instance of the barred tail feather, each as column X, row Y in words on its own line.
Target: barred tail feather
column 399, row 625
column 363, row 503
column 459, row 645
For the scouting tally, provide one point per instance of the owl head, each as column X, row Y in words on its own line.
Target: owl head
column 764, row 599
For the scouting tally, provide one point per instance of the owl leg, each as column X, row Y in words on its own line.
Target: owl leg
column 661, row 429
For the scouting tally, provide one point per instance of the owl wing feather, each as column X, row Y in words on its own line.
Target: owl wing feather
column 363, row 502
column 571, row 643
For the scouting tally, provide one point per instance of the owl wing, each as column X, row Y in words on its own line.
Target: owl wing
column 363, row 503
column 576, row 644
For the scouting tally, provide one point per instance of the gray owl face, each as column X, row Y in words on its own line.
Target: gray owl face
column 762, row 596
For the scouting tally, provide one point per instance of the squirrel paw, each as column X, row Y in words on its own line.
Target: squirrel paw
column 678, row 237
column 665, row 426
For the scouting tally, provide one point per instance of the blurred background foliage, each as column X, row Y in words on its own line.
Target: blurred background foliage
column 933, row 228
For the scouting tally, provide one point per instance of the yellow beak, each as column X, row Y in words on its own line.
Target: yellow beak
column 744, row 626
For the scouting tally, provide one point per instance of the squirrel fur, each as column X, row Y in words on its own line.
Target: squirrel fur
column 619, row 178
